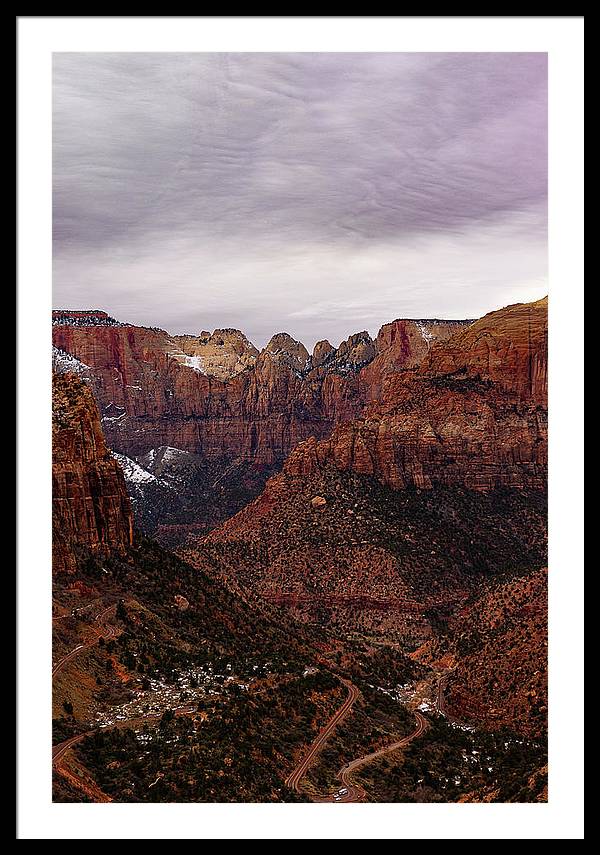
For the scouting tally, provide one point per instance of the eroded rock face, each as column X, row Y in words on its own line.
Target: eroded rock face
column 508, row 348
column 288, row 351
column 321, row 351
column 216, row 396
column 222, row 354
column 90, row 505
column 473, row 413
column 427, row 402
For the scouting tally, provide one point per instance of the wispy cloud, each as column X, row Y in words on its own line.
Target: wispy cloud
column 298, row 191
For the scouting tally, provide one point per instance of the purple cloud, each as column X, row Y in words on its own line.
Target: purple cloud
column 193, row 190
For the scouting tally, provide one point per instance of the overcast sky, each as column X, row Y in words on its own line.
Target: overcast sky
column 317, row 194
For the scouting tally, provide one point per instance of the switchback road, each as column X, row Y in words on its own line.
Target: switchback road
column 356, row 793
column 293, row 781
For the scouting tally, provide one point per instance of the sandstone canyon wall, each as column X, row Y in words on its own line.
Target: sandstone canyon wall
column 389, row 525
column 215, row 395
column 472, row 413
column 90, row 505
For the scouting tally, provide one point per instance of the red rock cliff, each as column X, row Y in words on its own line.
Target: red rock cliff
column 214, row 395
column 474, row 413
column 90, row 505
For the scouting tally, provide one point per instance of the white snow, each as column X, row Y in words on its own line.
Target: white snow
column 195, row 362
column 171, row 453
column 132, row 471
column 425, row 332
column 63, row 362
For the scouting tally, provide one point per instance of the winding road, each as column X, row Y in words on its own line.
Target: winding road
column 110, row 632
column 293, row 781
column 354, row 793
column 58, row 751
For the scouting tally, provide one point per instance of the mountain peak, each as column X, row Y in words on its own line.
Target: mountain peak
column 291, row 351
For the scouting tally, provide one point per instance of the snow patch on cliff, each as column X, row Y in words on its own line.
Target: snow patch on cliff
column 425, row 332
column 171, row 454
column 195, row 362
column 63, row 363
column 132, row 471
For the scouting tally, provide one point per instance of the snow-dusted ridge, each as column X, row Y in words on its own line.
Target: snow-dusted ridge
column 63, row 363
column 132, row 471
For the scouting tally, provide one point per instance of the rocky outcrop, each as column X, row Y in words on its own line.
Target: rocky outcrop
column 90, row 505
column 473, row 413
column 222, row 354
column 289, row 352
column 508, row 348
column 216, row 396
column 321, row 351
column 401, row 345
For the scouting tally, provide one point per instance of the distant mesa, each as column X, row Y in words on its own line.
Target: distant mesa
column 83, row 318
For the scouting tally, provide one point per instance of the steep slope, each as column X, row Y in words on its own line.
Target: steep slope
column 177, row 496
column 175, row 682
column 216, row 395
column 507, row 348
column 145, row 644
column 386, row 527
column 499, row 642
column 474, row 412
column 166, row 685
column 90, row 505
column 343, row 551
